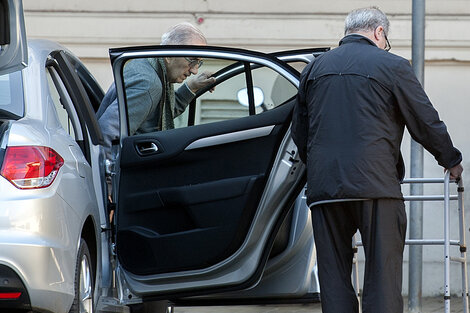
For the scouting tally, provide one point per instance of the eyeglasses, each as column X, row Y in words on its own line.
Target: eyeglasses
column 387, row 44
column 194, row 62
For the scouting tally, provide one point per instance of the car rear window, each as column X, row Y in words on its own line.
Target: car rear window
column 11, row 96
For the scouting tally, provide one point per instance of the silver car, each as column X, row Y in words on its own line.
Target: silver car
column 210, row 212
column 51, row 218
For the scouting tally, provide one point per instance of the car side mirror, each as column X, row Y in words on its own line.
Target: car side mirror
column 242, row 96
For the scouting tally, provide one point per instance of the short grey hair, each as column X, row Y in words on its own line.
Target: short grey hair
column 182, row 34
column 366, row 19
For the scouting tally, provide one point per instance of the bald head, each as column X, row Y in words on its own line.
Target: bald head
column 183, row 34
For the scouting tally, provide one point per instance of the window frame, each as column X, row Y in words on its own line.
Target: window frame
column 67, row 104
column 79, row 98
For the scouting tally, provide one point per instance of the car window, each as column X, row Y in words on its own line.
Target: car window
column 63, row 105
column 91, row 86
column 227, row 99
column 11, row 96
column 222, row 103
column 298, row 65
column 276, row 89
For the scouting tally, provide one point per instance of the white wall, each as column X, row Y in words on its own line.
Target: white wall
column 89, row 28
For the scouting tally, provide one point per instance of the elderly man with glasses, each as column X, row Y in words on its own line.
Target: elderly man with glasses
column 353, row 104
column 152, row 104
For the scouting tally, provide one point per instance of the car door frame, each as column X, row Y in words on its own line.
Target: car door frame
column 222, row 276
column 60, row 61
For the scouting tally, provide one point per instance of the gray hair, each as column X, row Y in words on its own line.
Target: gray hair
column 365, row 19
column 182, row 34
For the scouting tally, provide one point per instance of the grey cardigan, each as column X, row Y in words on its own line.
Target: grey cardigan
column 144, row 91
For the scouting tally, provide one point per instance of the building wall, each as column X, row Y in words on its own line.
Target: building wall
column 89, row 28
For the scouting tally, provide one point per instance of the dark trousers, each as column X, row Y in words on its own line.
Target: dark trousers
column 382, row 224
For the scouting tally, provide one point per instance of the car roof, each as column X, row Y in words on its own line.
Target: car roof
column 34, row 76
column 41, row 48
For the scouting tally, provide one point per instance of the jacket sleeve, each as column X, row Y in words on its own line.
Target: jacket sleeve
column 421, row 119
column 183, row 96
column 143, row 91
column 300, row 120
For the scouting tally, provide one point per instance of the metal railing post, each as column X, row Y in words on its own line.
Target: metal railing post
column 415, row 279
column 463, row 247
column 446, row 244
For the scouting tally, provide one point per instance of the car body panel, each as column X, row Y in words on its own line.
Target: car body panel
column 47, row 223
column 13, row 47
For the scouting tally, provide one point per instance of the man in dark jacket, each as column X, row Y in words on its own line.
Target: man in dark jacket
column 353, row 104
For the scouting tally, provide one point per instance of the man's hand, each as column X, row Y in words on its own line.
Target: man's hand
column 201, row 81
column 456, row 171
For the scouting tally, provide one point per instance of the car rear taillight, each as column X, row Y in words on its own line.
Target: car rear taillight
column 29, row 167
column 9, row 295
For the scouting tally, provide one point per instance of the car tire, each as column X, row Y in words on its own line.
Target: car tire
column 84, row 281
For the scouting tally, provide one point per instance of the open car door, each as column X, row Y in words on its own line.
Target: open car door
column 13, row 46
column 214, row 206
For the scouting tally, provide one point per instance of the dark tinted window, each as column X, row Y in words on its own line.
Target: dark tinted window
column 11, row 96
column 4, row 25
column 92, row 88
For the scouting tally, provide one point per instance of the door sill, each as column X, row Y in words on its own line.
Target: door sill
column 309, row 298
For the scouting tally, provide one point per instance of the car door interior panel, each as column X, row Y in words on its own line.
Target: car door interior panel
column 185, row 230
column 184, row 209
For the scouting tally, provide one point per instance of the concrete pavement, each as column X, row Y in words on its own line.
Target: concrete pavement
column 430, row 305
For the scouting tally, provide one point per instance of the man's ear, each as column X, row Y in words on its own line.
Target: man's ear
column 377, row 33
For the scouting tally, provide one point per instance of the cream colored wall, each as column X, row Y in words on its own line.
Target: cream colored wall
column 89, row 28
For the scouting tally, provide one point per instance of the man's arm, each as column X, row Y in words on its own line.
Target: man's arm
column 300, row 123
column 186, row 92
column 183, row 96
column 422, row 120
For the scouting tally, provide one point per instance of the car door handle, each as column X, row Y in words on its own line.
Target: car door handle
column 147, row 148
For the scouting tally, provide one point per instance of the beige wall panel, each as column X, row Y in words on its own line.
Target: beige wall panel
column 244, row 6
column 96, row 32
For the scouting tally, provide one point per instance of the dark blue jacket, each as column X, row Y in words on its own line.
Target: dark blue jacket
column 353, row 104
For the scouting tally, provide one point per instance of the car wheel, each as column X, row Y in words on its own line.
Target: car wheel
column 84, row 283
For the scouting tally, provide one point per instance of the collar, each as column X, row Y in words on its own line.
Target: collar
column 158, row 65
column 356, row 38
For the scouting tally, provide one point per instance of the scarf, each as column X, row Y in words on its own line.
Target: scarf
column 167, row 101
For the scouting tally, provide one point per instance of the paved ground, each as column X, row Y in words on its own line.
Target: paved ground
column 430, row 305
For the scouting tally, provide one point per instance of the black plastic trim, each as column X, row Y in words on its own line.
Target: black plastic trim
column 78, row 94
column 4, row 23
column 93, row 89
column 308, row 298
column 11, row 282
column 314, row 51
column 249, row 86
